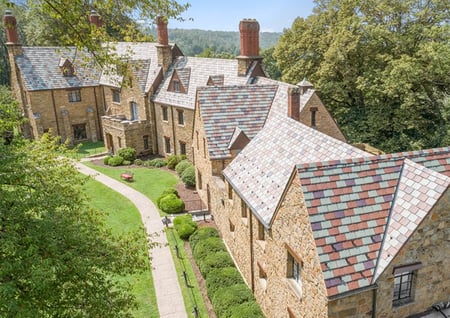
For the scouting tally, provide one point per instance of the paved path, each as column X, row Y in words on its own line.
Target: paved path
column 168, row 292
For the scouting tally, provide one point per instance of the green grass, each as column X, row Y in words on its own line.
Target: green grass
column 122, row 217
column 192, row 295
column 89, row 148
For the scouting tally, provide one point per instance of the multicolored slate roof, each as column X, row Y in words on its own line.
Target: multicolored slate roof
column 363, row 210
column 261, row 171
column 201, row 71
column 437, row 159
column 39, row 68
column 225, row 108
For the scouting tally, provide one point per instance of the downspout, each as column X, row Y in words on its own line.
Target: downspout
column 173, row 132
column 374, row 302
column 55, row 112
column 99, row 121
column 252, row 274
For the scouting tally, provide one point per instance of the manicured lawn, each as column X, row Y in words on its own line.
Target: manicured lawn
column 122, row 217
column 192, row 295
column 90, row 148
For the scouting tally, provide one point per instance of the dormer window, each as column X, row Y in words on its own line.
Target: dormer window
column 66, row 67
column 179, row 82
column 176, row 86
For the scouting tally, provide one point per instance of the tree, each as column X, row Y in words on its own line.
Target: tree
column 382, row 68
column 57, row 259
column 270, row 64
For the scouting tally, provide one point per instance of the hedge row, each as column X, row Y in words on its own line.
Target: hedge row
column 229, row 295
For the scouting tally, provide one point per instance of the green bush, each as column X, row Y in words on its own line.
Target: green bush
column 215, row 260
column 188, row 176
column 115, row 161
column 164, row 193
column 202, row 234
column 157, row 163
column 222, row 277
column 106, row 160
column 181, row 166
column 171, row 204
column 185, row 226
column 128, row 153
column 226, row 298
column 207, row 246
column 126, row 163
column 139, row 162
column 172, row 161
column 247, row 309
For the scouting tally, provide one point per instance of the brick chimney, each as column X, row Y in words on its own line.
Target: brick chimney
column 249, row 34
column 294, row 103
column 304, row 86
column 164, row 50
column 95, row 19
column 10, row 23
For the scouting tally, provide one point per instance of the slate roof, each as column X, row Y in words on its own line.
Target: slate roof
column 261, row 171
column 39, row 68
column 201, row 69
column 437, row 159
column 363, row 210
column 227, row 108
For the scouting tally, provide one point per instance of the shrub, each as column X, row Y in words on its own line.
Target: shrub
column 222, row 277
column 247, row 309
column 188, row 176
column 166, row 192
column 209, row 245
column 128, row 153
column 172, row 161
column 184, row 226
column 115, row 161
column 126, row 163
column 171, row 204
column 226, row 298
column 215, row 260
column 139, row 162
column 157, row 163
column 181, row 166
column 106, row 160
column 202, row 234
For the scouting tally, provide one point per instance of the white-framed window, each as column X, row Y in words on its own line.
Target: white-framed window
column 115, row 95
column 74, row 95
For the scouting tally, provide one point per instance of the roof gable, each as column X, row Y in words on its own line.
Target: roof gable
column 238, row 140
column 215, row 80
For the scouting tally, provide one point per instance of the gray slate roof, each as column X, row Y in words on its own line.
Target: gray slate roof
column 201, row 69
column 225, row 108
column 261, row 171
column 39, row 68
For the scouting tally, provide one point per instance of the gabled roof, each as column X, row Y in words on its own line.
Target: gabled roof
column 201, row 71
column 260, row 173
column 363, row 210
column 238, row 139
column 224, row 108
column 437, row 159
column 40, row 70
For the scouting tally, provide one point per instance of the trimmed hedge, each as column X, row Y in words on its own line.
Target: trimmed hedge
column 165, row 193
column 185, row 226
column 248, row 309
column 212, row 261
column 181, row 166
column 222, row 277
column 171, row 204
column 188, row 176
column 115, row 161
column 226, row 298
column 208, row 246
column 202, row 234
column 128, row 153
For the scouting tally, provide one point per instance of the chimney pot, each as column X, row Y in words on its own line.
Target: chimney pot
column 10, row 23
column 163, row 35
column 95, row 19
column 294, row 103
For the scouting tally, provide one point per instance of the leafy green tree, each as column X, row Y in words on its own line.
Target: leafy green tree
column 57, row 258
column 382, row 68
column 270, row 64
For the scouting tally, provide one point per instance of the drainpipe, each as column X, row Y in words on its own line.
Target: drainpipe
column 374, row 302
column 252, row 274
column 56, row 113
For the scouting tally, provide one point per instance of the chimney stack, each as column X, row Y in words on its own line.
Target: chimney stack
column 95, row 19
column 294, row 103
column 249, row 35
column 164, row 51
column 10, row 23
column 163, row 35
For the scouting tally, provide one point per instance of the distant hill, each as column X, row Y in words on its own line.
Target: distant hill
column 192, row 42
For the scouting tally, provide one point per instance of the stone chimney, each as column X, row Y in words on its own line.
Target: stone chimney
column 163, row 48
column 249, row 34
column 10, row 23
column 95, row 19
column 294, row 103
column 304, row 86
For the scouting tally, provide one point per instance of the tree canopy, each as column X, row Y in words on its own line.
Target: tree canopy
column 382, row 68
column 57, row 259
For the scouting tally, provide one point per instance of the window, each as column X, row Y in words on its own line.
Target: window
column 232, row 227
column 200, row 181
column 134, row 111
column 79, row 132
column 261, row 231
column 262, row 276
column 294, row 269
column 180, row 117
column 403, row 285
column 167, row 143
column 145, row 142
column 196, row 136
column 204, row 148
column 176, row 86
column 165, row 114
column 182, row 147
column 115, row 95
column 74, row 96
column 313, row 116
column 244, row 213
column 230, row 192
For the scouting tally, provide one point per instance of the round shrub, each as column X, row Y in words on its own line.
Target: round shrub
column 185, row 226
column 106, row 160
column 128, row 153
column 171, row 204
column 207, row 246
column 226, row 298
column 172, row 161
column 157, row 163
column 212, row 261
column 115, row 161
column 126, row 163
column 188, row 176
column 247, row 309
column 181, row 166
column 166, row 192
column 222, row 277
column 139, row 162
column 202, row 234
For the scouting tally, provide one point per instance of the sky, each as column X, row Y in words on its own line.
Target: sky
column 224, row 15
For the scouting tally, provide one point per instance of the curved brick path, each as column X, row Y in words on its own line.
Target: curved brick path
column 168, row 293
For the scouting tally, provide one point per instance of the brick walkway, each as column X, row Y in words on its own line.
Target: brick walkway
column 168, row 292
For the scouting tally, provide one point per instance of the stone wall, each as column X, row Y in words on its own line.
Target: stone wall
column 324, row 121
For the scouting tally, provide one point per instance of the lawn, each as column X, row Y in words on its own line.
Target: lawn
column 89, row 149
column 122, row 217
